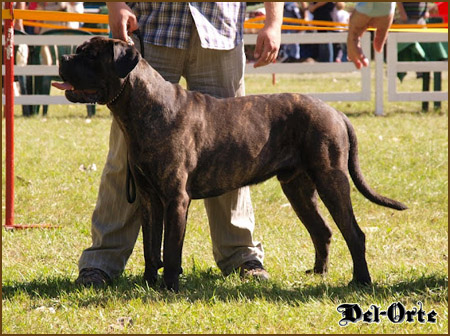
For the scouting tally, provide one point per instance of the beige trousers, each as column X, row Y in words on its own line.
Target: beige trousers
column 116, row 223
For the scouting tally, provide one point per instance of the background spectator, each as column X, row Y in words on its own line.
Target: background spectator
column 291, row 52
column 50, row 6
column 342, row 16
column 75, row 7
column 413, row 12
column 323, row 11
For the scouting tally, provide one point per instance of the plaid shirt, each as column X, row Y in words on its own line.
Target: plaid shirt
column 169, row 24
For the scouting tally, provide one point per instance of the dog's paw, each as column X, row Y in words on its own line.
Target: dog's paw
column 316, row 271
column 151, row 277
column 171, row 282
column 173, row 287
column 360, row 283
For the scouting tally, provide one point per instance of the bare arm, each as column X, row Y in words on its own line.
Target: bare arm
column 18, row 24
column 269, row 38
column 358, row 24
column 313, row 7
column 402, row 12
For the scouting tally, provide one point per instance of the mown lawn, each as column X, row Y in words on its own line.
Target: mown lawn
column 404, row 155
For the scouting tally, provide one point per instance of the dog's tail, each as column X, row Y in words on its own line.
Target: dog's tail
column 357, row 176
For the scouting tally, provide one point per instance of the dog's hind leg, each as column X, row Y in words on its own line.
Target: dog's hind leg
column 152, row 229
column 334, row 190
column 302, row 195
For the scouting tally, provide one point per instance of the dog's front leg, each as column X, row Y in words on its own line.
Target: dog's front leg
column 174, row 230
column 152, row 228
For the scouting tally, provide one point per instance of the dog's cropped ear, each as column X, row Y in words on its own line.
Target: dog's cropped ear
column 125, row 58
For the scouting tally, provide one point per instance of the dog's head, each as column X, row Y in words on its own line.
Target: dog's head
column 96, row 72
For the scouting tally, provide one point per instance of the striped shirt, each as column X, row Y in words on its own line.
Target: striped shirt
column 170, row 24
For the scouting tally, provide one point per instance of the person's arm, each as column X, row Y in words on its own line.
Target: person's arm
column 312, row 7
column 18, row 24
column 376, row 15
column 303, row 8
column 269, row 38
column 122, row 21
column 402, row 12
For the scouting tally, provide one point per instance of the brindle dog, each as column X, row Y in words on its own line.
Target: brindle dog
column 185, row 145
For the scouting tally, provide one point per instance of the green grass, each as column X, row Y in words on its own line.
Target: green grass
column 403, row 155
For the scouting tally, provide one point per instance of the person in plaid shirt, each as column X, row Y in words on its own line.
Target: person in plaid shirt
column 203, row 42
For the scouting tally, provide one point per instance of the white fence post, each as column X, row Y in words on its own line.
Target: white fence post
column 379, row 87
column 394, row 66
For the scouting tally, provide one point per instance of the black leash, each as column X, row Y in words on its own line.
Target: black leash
column 131, row 185
column 141, row 41
column 130, row 182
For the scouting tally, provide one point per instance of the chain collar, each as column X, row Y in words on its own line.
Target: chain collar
column 112, row 101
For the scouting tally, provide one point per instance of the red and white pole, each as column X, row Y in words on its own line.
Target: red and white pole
column 9, row 115
column 8, row 56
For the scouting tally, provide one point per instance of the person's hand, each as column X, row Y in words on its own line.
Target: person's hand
column 122, row 21
column 357, row 26
column 267, row 46
column 269, row 38
column 18, row 25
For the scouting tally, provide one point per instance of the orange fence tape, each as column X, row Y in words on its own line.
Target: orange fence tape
column 56, row 16
column 339, row 24
column 56, row 26
column 250, row 25
column 301, row 24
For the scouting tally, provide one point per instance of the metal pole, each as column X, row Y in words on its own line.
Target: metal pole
column 9, row 116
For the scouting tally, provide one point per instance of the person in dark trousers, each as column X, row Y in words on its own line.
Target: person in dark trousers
column 323, row 11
